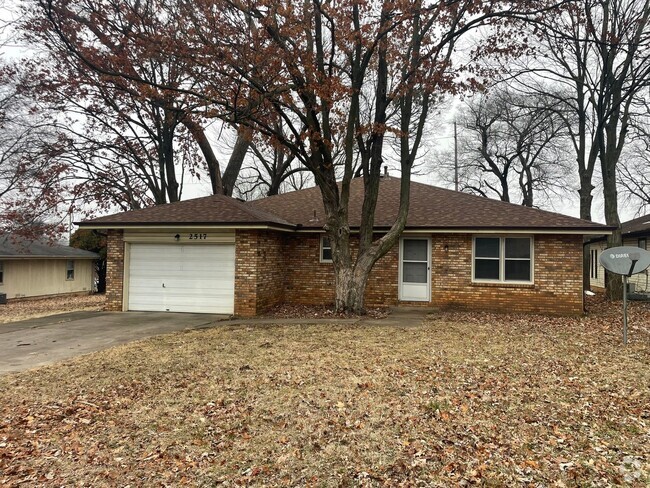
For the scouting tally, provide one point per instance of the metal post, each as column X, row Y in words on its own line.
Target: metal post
column 624, row 309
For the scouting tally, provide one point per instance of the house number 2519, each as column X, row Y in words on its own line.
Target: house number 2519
column 198, row 236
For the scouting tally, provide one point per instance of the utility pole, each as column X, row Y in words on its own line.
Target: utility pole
column 455, row 155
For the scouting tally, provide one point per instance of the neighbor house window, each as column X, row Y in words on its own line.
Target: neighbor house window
column 503, row 259
column 594, row 264
column 643, row 243
column 69, row 271
column 325, row 250
column 2, row 273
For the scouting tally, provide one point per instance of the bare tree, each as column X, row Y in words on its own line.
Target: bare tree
column 510, row 146
column 595, row 56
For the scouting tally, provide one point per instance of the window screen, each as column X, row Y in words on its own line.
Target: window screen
column 503, row 259
column 487, row 258
column 326, row 249
column 517, row 259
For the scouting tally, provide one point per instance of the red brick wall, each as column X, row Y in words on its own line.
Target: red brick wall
column 259, row 271
column 557, row 284
column 557, row 287
column 114, row 270
column 310, row 282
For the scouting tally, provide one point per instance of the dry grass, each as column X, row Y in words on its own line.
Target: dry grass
column 30, row 308
column 461, row 399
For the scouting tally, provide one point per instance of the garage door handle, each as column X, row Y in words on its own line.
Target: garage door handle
column 163, row 285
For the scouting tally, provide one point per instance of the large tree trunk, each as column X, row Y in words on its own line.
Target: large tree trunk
column 613, row 282
column 350, row 286
column 231, row 173
column 211, row 161
column 586, row 198
column 166, row 155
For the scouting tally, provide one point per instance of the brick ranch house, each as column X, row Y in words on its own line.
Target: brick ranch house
column 221, row 255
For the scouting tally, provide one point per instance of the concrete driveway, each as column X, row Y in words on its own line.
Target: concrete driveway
column 36, row 342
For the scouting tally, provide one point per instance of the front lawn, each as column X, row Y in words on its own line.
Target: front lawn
column 464, row 398
column 19, row 309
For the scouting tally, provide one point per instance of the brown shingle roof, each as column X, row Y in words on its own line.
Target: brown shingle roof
column 212, row 210
column 430, row 208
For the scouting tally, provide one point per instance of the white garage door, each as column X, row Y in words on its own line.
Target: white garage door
column 178, row 278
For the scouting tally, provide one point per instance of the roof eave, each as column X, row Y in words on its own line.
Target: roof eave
column 18, row 257
column 173, row 225
column 486, row 229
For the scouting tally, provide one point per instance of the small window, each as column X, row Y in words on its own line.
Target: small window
column 69, row 272
column 325, row 250
column 643, row 243
column 2, row 273
column 503, row 259
column 594, row 264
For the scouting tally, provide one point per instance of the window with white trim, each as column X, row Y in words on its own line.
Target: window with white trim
column 325, row 250
column 503, row 259
column 69, row 270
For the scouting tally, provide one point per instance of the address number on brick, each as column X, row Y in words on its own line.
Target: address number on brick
column 198, row 236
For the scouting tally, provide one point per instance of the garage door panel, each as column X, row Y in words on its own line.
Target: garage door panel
column 198, row 278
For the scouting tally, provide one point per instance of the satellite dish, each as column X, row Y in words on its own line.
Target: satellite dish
column 625, row 260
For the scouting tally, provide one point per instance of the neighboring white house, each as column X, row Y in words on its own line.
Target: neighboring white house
column 636, row 233
column 31, row 268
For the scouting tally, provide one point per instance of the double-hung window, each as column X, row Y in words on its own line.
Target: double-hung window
column 325, row 250
column 69, row 270
column 503, row 259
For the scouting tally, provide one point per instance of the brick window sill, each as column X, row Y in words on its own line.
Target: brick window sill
column 503, row 285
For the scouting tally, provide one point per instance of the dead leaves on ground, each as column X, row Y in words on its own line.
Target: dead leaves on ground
column 465, row 399
column 27, row 308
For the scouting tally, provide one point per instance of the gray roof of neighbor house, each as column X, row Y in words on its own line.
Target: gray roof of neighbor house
column 15, row 247
column 430, row 208
column 638, row 227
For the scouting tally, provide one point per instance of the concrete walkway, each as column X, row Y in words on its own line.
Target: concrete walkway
column 402, row 317
column 38, row 342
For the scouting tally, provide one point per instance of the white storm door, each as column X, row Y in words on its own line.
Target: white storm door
column 414, row 267
column 181, row 278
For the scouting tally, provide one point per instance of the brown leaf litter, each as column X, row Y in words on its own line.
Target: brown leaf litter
column 463, row 399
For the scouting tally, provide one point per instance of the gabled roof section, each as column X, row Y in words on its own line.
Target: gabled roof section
column 212, row 210
column 15, row 247
column 430, row 208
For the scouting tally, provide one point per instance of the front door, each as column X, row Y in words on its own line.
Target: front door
column 415, row 266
